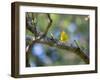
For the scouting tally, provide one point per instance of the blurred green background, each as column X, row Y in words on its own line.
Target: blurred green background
column 75, row 26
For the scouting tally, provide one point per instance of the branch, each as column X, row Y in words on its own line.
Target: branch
column 32, row 26
column 55, row 43
column 29, row 23
column 49, row 24
column 43, row 35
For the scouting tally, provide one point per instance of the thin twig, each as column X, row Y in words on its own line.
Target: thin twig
column 49, row 25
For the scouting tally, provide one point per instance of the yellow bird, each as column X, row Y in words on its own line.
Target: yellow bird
column 64, row 36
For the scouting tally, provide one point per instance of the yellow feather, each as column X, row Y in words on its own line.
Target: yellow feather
column 63, row 36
